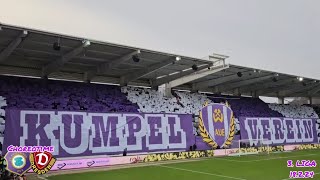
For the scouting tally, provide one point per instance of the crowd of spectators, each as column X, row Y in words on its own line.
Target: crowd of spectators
column 294, row 111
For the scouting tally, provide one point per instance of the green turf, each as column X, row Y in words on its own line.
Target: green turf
column 251, row 167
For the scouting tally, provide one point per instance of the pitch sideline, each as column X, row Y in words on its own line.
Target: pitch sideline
column 257, row 160
column 158, row 163
column 200, row 172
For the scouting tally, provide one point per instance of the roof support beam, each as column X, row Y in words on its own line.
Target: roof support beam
column 215, row 82
column 267, row 85
column 115, row 62
column 88, row 76
column 301, row 89
column 244, row 83
column 143, row 72
column 315, row 90
column 196, row 75
column 12, row 46
column 57, row 64
column 108, row 65
column 166, row 79
column 278, row 88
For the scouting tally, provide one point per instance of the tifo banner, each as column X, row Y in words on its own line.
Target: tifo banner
column 307, row 146
column 227, row 152
column 301, row 147
column 278, row 131
column 261, row 149
column 85, row 134
column 217, row 125
column 178, row 155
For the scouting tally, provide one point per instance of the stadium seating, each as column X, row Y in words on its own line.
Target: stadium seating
column 3, row 104
column 38, row 94
column 295, row 111
column 57, row 95
column 318, row 129
column 249, row 107
column 317, row 110
column 151, row 101
column 299, row 111
column 246, row 107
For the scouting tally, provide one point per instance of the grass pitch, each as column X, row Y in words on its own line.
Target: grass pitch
column 250, row 167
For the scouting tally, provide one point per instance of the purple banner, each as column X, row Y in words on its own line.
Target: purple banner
column 278, row 131
column 201, row 145
column 86, row 134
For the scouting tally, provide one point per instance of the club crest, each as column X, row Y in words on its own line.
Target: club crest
column 17, row 163
column 217, row 116
column 41, row 162
column 217, row 124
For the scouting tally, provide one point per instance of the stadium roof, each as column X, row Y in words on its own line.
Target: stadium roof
column 29, row 52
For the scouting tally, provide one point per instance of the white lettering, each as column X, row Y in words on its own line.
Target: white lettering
column 301, row 129
column 177, row 129
column 289, row 130
column 84, row 133
column 253, row 130
column 278, row 131
column 163, row 130
column 308, row 127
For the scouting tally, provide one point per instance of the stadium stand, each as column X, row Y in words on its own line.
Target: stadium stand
column 317, row 110
column 289, row 110
column 248, row 107
column 17, row 92
column 3, row 104
column 58, row 95
column 151, row 101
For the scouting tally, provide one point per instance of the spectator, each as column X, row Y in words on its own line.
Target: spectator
column 194, row 147
column 23, row 177
column 1, row 164
column 125, row 152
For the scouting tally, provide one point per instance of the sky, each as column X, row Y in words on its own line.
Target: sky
column 277, row 35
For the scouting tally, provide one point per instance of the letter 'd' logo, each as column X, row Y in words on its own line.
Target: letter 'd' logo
column 41, row 162
column 41, row 159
